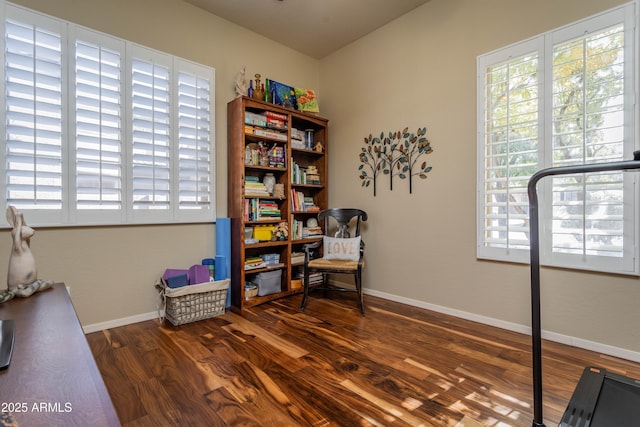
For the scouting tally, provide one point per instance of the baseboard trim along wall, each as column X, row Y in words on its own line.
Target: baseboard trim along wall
column 96, row 327
column 551, row 336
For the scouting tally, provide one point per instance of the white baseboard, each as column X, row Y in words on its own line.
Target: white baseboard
column 95, row 327
column 551, row 336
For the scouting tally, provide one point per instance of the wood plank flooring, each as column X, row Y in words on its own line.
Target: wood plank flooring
column 272, row 365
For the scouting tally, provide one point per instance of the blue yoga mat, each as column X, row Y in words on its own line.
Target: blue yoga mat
column 223, row 252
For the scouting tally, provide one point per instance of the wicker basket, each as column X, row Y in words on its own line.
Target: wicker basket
column 195, row 302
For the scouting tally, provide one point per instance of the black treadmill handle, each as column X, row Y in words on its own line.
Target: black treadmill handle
column 536, row 328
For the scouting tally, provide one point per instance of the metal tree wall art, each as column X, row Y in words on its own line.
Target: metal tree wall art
column 396, row 154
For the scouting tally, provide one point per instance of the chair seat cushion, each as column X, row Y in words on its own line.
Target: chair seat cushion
column 334, row 264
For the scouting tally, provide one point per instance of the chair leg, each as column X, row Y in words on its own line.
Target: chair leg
column 359, row 290
column 305, row 288
column 325, row 281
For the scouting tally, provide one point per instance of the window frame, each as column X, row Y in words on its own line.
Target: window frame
column 543, row 44
column 201, row 211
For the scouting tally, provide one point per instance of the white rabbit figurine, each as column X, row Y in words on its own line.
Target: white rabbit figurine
column 22, row 276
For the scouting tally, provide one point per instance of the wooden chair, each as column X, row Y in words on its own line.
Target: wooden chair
column 335, row 251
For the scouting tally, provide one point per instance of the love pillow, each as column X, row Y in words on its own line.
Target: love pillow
column 346, row 249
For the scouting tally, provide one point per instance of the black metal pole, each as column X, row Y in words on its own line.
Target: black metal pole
column 536, row 327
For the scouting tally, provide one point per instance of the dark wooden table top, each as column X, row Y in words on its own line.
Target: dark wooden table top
column 53, row 379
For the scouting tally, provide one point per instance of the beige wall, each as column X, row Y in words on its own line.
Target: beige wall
column 420, row 70
column 111, row 270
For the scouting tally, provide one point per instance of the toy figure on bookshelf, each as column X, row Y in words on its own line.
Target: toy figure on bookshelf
column 319, row 147
column 281, row 232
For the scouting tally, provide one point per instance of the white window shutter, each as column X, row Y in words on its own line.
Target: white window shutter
column 101, row 131
column 98, row 126
column 34, row 122
column 587, row 211
column 195, row 134
column 151, row 139
column 583, row 112
column 510, row 149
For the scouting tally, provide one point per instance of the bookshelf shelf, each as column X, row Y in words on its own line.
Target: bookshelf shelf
column 254, row 125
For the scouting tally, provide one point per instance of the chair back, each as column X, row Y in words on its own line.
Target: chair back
column 342, row 217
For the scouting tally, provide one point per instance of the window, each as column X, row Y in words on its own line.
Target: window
column 563, row 98
column 100, row 130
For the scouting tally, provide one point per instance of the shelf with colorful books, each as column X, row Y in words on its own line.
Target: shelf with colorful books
column 307, row 174
column 262, row 209
column 266, row 142
column 303, row 230
column 302, row 202
column 267, row 124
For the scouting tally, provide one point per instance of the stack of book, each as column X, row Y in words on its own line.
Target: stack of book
column 254, row 188
column 268, row 124
column 255, row 119
column 297, row 258
column 312, row 175
column 308, row 232
column 309, row 205
column 276, row 120
column 252, row 130
column 314, row 278
column 268, row 209
column 253, row 263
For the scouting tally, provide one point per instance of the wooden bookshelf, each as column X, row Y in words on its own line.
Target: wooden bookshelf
column 250, row 124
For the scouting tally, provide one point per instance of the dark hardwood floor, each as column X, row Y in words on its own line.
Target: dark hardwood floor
column 272, row 365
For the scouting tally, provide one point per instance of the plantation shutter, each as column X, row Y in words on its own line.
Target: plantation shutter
column 151, row 151
column 33, row 110
column 588, row 89
column 98, row 127
column 510, row 151
column 99, row 130
column 194, row 141
column 563, row 98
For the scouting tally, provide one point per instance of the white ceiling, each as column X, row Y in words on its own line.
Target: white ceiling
column 313, row 27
